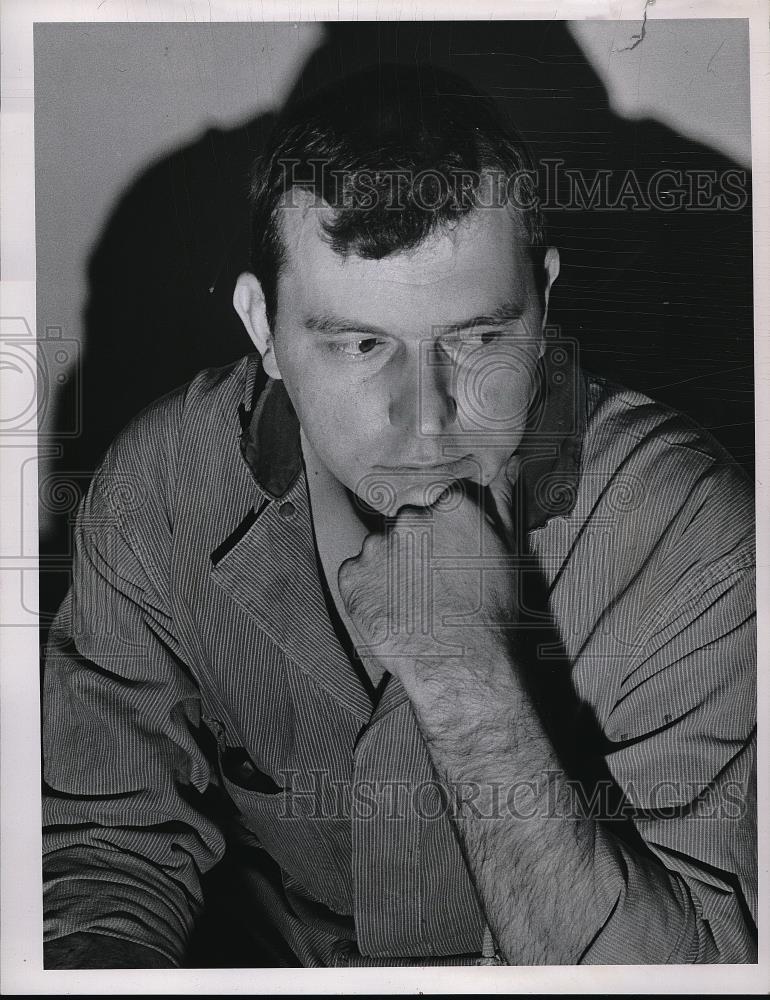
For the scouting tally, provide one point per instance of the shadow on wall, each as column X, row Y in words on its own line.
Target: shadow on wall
column 659, row 298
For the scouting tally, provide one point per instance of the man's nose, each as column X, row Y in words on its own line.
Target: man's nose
column 422, row 401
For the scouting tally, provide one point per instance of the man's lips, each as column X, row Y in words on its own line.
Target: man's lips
column 464, row 464
column 388, row 487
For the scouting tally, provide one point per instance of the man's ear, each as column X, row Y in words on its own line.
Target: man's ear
column 551, row 265
column 249, row 303
column 550, row 274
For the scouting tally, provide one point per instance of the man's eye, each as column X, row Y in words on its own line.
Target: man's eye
column 359, row 347
column 483, row 337
column 469, row 338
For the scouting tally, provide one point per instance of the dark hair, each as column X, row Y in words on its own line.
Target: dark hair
column 396, row 151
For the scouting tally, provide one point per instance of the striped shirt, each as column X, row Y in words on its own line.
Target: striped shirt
column 199, row 699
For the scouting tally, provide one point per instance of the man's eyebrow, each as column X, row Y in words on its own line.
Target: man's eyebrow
column 327, row 323
column 505, row 313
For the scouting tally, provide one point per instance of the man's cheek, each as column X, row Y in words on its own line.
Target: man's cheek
column 320, row 409
column 495, row 401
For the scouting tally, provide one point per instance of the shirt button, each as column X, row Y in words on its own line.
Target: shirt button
column 287, row 510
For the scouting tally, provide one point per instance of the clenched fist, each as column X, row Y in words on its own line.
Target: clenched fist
column 439, row 588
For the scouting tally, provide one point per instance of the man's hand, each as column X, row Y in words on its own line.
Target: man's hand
column 438, row 591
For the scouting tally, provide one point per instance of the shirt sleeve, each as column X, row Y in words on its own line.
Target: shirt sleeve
column 126, row 829
column 682, row 751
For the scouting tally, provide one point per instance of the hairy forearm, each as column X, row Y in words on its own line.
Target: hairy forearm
column 532, row 863
column 556, row 886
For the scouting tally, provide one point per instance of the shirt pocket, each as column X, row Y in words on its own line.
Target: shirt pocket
column 240, row 776
column 290, row 823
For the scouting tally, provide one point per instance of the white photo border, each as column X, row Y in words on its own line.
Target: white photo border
column 21, row 969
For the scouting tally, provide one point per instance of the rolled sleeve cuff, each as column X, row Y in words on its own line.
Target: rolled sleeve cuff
column 84, row 892
column 653, row 918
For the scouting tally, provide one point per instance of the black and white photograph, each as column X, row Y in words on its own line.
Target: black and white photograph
column 383, row 478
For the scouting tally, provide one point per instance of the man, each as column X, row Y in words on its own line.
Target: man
column 447, row 646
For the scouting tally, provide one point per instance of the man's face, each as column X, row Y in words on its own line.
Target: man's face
column 415, row 370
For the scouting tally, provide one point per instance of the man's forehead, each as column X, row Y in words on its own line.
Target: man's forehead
column 484, row 237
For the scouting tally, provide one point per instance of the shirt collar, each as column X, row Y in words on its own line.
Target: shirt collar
column 550, row 451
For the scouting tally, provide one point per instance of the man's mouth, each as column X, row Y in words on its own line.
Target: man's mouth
column 458, row 466
column 387, row 487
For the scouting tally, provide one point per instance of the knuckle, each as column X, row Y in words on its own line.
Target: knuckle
column 346, row 574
